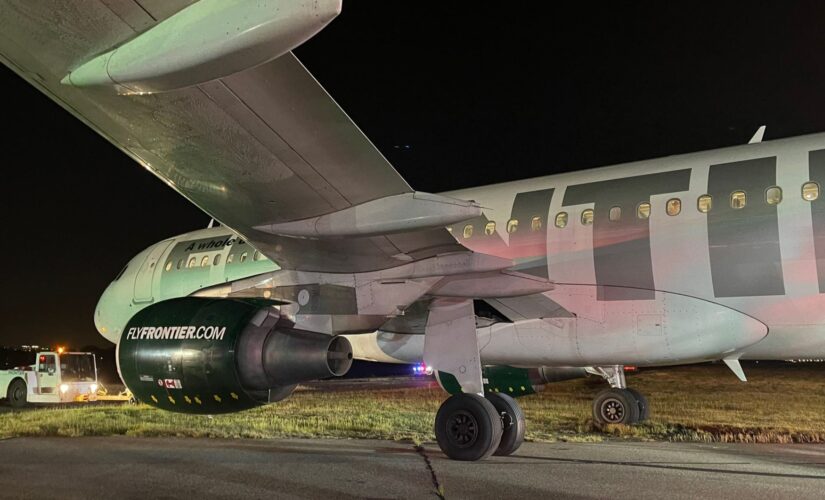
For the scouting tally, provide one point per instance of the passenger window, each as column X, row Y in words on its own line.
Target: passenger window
column 738, row 200
column 205, row 261
column 674, row 206
column 191, row 262
column 230, row 258
column 468, row 231
column 490, row 228
column 535, row 224
column 587, row 217
column 773, row 195
column 243, row 257
column 217, row 260
column 643, row 210
column 810, row 191
column 704, row 203
column 615, row 214
column 169, row 266
column 561, row 219
column 512, row 226
column 256, row 255
column 180, row 263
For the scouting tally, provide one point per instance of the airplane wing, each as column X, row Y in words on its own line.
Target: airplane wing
column 256, row 149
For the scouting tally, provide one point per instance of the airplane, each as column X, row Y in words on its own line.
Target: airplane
column 324, row 254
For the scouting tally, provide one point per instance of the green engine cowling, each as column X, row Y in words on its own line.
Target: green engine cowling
column 210, row 356
column 512, row 380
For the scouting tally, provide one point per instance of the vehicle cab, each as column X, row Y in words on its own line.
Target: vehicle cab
column 62, row 377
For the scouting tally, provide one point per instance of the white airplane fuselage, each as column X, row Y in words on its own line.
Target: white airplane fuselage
column 665, row 261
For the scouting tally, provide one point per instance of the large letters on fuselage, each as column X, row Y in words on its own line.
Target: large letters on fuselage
column 743, row 244
column 621, row 249
column 526, row 241
column 816, row 165
column 745, row 258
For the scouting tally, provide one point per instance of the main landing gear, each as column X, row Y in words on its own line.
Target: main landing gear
column 471, row 427
column 468, row 426
column 619, row 404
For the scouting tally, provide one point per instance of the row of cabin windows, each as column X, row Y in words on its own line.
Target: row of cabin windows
column 738, row 200
column 205, row 260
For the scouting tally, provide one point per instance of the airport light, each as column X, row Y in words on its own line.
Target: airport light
column 64, row 388
column 60, row 350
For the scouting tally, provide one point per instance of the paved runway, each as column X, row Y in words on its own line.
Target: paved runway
column 123, row 467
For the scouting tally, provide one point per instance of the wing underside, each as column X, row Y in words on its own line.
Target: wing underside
column 260, row 147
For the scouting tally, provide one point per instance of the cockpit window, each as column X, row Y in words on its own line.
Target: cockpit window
column 121, row 272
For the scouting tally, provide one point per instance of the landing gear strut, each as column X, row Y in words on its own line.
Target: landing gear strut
column 619, row 404
column 468, row 426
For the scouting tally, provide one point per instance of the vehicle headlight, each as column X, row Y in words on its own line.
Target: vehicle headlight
column 64, row 388
column 93, row 388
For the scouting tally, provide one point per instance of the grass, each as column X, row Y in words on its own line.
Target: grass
column 779, row 404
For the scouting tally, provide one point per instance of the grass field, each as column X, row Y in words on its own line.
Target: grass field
column 699, row 403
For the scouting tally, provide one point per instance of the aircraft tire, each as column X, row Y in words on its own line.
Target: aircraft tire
column 513, row 424
column 16, row 393
column 468, row 427
column 644, row 407
column 615, row 406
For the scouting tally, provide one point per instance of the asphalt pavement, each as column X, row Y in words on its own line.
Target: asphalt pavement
column 125, row 467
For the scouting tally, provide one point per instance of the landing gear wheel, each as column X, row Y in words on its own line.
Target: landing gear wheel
column 512, row 419
column 16, row 393
column 615, row 406
column 468, row 427
column 644, row 407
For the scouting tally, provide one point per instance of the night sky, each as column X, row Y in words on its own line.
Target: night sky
column 455, row 94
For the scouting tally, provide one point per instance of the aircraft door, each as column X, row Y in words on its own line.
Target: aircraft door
column 145, row 275
column 47, row 376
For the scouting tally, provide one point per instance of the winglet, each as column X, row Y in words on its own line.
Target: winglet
column 736, row 368
column 757, row 137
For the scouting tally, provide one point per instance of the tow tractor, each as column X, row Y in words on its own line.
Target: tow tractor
column 56, row 377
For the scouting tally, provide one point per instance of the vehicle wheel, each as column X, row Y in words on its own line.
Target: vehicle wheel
column 644, row 407
column 468, row 427
column 615, row 406
column 512, row 419
column 16, row 393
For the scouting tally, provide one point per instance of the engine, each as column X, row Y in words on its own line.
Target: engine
column 514, row 381
column 210, row 356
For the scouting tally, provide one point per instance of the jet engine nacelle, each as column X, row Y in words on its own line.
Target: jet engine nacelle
column 205, row 355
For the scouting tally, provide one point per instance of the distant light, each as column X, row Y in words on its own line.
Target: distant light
column 422, row 369
column 60, row 350
column 64, row 388
column 93, row 388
